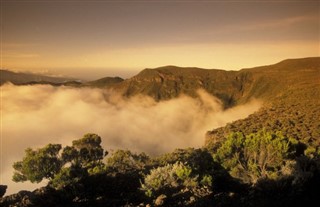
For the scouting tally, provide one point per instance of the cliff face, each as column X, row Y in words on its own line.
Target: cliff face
column 170, row 82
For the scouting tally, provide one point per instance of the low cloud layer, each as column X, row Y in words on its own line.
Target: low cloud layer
column 33, row 116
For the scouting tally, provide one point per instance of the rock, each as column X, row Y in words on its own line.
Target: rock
column 20, row 199
column 192, row 199
column 3, row 189
column 160, row 200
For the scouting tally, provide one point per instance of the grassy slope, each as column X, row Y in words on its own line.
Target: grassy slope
column 291, row 92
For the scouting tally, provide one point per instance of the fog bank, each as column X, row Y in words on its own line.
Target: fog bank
column 33, row 116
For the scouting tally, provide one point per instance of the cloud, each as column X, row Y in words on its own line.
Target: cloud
column 15, row 55
column 33, row 116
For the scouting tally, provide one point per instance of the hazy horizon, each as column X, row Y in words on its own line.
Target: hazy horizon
column 102, row 37
column 96, row 73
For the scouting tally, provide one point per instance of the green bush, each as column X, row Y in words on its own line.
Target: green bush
column 255, row 156
column 175, row 175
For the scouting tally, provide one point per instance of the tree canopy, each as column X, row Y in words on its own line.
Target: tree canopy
column 50, row 163
column 43, row 163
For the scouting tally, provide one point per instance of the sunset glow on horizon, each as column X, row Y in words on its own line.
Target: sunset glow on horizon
column 90, row 39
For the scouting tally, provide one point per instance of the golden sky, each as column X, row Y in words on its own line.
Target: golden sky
column 98, row 38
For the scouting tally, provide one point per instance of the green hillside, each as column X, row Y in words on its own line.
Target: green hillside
column 232, row 87
column 291, row 93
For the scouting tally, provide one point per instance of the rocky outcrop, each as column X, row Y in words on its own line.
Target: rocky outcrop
column 44, row 196
column 20, row 199
column 3, row 189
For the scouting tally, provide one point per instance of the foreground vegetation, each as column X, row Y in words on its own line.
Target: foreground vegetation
column 258, row 169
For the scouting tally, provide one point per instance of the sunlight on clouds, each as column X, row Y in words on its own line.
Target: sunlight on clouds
column 34, row 116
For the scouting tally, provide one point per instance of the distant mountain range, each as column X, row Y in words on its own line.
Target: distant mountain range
column 19, row 78
column 232, row 87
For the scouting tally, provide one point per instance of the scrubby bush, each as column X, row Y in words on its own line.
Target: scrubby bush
column 123, row 161
column 177, row 183
column 255, row 156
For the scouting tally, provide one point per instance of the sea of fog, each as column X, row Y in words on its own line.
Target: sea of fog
column 33, row 116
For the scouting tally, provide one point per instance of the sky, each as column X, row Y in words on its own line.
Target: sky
column 91, row 39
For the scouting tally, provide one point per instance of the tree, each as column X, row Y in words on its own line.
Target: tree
column 80, row 160
column 85, row 151
column 43, row 163
column 257, row 155
column 47, row 162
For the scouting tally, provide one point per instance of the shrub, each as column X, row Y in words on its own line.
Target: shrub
column 255, row 156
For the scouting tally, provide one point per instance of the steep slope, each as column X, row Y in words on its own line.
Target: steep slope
column 291, row 92
column 274, row 81
column 170, row 81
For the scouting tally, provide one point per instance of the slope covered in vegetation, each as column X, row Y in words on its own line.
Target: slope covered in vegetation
column 294, row 110
column 271, row 158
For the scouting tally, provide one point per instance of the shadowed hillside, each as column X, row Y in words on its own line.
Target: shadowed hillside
column 170, row 81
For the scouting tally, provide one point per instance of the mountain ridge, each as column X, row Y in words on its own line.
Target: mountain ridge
column 232, row 87
column 21, row 78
